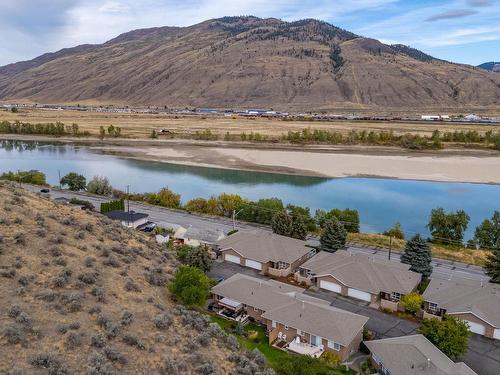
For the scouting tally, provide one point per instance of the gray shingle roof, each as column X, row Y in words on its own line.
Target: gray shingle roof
column 415, row 355
column 204, row 235
column 264, row 246
column 362, row 272
column 288, row 305
column 260, row 293
column 316, row 317
column 461, row 296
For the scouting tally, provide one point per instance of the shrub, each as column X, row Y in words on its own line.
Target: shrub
column 190, row 285
column 130, row 286
column 412, row 302
column 133, row 341
column 127, row 318
column 156, row 277
column 98, row 340
column 73, row 302
column 88, row 277
column 99, row 293
column 332, row 359
column 50, row 362
column 114, row 355
column 100, row 186
column 450, row 335
column 14, row 335
column 98, row 365
column 74, row 340
column 20, row 238
column 162, row 321
column 89, row 261
column 14, row 311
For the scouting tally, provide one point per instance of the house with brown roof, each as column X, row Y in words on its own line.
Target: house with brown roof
column 294, row 321
column 475, row 302
column 412, row 355
column 265, row 251
column 381, row 283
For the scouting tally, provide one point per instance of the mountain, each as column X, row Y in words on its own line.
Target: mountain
column 248, row 62
column 491, row 66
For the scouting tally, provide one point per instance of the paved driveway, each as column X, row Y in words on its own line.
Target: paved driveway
column 483, row 355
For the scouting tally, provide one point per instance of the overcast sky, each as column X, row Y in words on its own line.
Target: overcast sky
column 466, row 31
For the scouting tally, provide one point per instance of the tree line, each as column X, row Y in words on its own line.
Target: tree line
column 57, row 129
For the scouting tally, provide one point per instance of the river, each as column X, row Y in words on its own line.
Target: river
column 380, row 202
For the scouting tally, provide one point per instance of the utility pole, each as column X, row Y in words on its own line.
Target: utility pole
column 128, row 199
column 234, row 217
column 390, row 247
column 19, row 177
column 59, row 173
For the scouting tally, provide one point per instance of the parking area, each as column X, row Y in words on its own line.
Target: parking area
column 483, row 355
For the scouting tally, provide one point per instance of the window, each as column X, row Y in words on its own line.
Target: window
column 433, row 306
column 333, row 345
column 396, row 296
column 274, row 324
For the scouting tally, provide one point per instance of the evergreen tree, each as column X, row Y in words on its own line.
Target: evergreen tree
column 333, row 236
column 417, row 253
column 492, row 266
column 282, row 223
column 299, row 228
column 487, row 234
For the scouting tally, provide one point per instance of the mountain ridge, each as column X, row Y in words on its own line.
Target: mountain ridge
column 245, row 62
column 492, row 66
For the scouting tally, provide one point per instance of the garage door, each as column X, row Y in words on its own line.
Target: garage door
column 253, row 264
column 330, row 286
column 476, row 327
column 496, row 334
column 232, row 258
column 359, row 294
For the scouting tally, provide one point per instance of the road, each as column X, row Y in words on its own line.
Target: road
column 443, row 269
column 483, row 354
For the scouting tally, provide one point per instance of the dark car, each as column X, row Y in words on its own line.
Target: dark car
column 44, row 190
column 148, row 227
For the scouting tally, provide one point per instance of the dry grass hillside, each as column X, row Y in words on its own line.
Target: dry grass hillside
column 249, row 62
column 82, row 295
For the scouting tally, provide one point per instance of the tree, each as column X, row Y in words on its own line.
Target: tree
column 487, row 234
column 450, row 335
column 395, row 232
column 492, row 266
column 165, row 198
column 102, row 132
column 412, row 302
column 349, row 218
column 305, row 214
column 75, row 181
column 281, row 223
column 195, row 256
column 448, row 227
column 333, row 236
column 287, row 225
column 417, row 253
column 262, row 211
column 100, row 186
column 154, row 134
column 190, row 285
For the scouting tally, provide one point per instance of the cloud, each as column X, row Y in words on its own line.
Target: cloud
column 480, row 3
column 449, row 14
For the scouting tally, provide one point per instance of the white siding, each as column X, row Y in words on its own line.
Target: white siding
column 330, row 286
column 359, row 294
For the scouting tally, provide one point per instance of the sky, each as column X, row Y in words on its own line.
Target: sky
column 464, row 31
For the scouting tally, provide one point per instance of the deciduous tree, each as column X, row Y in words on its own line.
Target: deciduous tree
column 190, row 285
column 448, row 227
column 75, row 181
column 450, row 335
column 100, row 186
column 487, row 234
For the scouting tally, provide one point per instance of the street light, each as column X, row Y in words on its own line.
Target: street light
column 234, row 218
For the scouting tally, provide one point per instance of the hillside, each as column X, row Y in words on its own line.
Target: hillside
column 491, row 66
column 249, row 62
column 83, row 295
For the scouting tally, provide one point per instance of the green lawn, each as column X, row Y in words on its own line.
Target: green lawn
column 273, row 355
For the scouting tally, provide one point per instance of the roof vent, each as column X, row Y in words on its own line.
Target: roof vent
column 428, row 363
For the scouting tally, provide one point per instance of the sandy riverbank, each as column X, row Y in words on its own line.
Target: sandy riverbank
column 450, row 165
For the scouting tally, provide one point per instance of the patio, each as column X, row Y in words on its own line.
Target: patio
column 299, row 347
column 232, row 310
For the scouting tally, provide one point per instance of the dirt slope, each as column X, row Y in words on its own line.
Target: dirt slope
column 249, row 62
column 82, row 295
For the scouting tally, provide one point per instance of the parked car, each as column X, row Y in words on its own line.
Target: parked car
column 44, row 190
column 148, row 227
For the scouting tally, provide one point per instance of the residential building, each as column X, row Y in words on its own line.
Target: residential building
column 294, row 321
column 130, row 219
column 196, row 236
column 265, row 251
column 412, row 355
column 381, row 283
column 477, row 303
